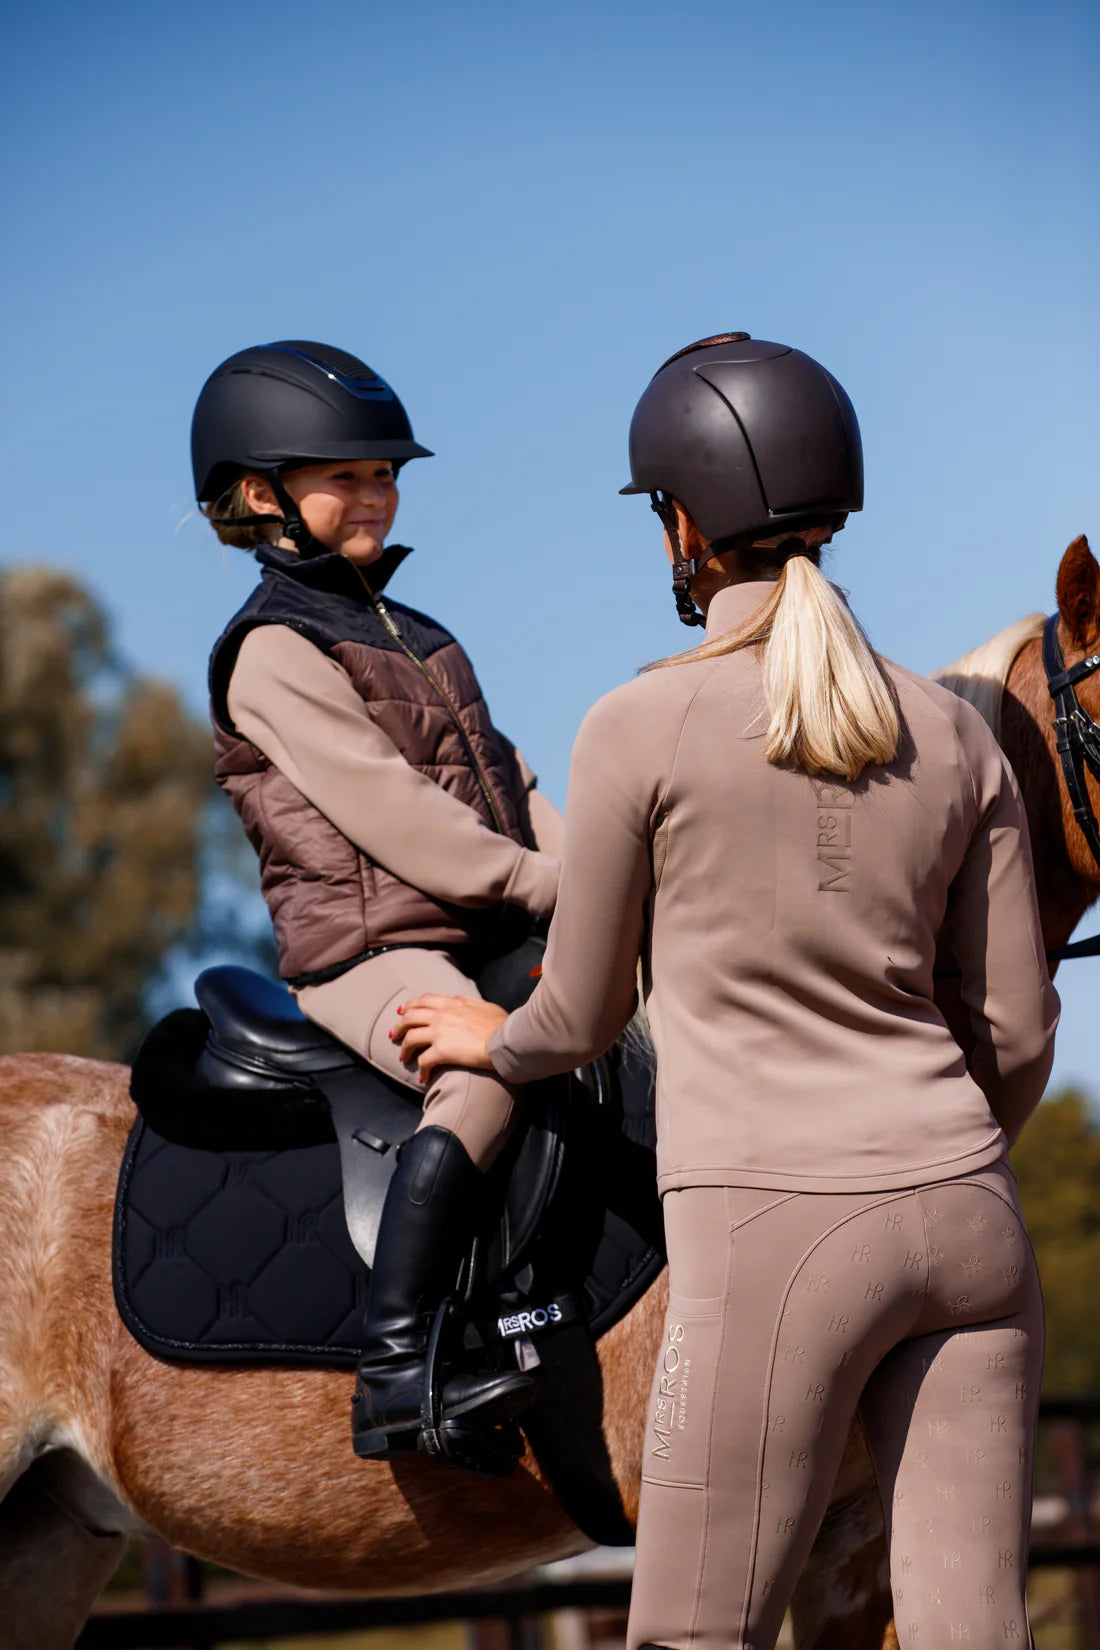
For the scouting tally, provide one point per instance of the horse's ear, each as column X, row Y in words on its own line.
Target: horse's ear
column 1078, row 592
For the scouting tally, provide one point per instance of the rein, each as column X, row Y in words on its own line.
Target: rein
column 1073, row 952
column 1077, row 735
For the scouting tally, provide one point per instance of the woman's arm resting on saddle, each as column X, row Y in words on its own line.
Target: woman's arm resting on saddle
column 299, row 707
column 992, row 925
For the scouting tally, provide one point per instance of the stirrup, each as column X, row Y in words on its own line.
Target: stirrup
column 492, row 1451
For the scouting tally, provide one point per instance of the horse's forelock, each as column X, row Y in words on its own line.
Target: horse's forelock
column 980, row 676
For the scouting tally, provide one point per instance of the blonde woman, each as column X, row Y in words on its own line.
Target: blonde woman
column 782, row 826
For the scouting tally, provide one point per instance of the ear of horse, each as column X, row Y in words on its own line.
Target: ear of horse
column 1078, row 591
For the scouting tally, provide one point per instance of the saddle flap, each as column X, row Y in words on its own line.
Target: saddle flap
column 373, row 1117
column 534, row 1172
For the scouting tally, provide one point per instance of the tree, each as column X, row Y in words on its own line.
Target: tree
column 105, row 785
column 1057, row 1163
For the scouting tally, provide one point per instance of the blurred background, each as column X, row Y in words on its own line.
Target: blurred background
column 515, row 214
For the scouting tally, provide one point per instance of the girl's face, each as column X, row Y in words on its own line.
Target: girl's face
column 348, row 506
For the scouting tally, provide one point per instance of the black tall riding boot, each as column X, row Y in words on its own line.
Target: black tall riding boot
column 431, row 1208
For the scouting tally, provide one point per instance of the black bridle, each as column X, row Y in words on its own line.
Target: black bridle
column 1077, row 735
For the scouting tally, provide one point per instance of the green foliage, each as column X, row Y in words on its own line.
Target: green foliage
column 1057, row 1163
column 104, row 783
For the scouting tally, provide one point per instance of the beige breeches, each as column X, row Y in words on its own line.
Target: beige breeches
column 360, row 1007
column 791, row 1314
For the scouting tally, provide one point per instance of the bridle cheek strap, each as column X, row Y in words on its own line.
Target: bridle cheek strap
column 1076, row 734
column 684, row 568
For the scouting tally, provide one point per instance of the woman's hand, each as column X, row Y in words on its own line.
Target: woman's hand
column 446, row 1031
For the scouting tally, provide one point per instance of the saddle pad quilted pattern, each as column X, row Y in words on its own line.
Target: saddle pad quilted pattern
column 236, row 1256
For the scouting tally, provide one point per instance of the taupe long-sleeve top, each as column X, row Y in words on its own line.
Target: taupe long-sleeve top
column 788, row 931
column 298, row 706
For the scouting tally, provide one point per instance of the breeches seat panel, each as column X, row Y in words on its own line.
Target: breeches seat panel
column 789, row 1315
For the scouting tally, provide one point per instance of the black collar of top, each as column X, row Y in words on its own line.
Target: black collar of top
column 1077, row 735
column 334, row 572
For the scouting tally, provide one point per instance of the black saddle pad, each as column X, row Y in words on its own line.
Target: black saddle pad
column 244, row 1256
column 231, row 1256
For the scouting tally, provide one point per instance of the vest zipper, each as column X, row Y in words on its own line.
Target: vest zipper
column 387, row 619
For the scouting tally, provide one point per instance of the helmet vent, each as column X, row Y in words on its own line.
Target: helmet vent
column 706, row 343
column 326, row 356
column 346, row 370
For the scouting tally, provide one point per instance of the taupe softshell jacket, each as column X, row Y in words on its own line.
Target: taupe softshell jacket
column 788, row 929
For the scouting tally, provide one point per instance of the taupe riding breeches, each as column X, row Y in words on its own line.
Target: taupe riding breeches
column 792, row 1313
column 359, row 1008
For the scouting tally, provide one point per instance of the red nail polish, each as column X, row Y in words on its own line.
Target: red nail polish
column 389, row 1034
column 401, row 1008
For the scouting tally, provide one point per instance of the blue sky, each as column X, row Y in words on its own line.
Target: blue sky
column 516, row 213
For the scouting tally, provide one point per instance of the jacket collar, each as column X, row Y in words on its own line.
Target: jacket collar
column 332, row 572
column 734, row 603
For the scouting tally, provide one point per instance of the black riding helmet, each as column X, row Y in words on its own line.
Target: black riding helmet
column 279, row 407
column 753, row 439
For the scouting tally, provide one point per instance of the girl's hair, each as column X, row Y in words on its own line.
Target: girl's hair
column 234, row 503
column 834, row 709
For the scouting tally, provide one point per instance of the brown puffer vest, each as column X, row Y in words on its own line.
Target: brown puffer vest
column 330, row 903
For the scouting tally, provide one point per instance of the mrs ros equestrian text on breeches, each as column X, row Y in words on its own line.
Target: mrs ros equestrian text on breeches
column 359, row 1008
column 791, row 1313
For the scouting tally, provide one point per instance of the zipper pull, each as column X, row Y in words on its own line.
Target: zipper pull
column 387, row 619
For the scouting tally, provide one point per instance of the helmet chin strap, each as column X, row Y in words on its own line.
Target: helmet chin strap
column 294, row 528
column 684, row 568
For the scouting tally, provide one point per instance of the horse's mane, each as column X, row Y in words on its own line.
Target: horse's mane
column 980, row 676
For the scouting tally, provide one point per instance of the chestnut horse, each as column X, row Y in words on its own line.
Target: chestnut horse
column 253, row 1467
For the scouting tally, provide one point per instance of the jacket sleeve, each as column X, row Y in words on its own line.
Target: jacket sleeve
column 298, row 706
column 587, row 992
column 992, row 926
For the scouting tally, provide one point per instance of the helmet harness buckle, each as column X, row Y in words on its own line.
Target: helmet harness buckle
column 684, row 568
column 294, row 528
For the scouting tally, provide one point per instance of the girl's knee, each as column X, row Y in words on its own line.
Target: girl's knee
column 478, row 1109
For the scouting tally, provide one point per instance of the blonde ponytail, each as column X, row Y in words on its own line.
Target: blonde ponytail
column 833, row 708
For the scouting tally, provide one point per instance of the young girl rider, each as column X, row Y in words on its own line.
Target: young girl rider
column 783, row 826
column 401, row 837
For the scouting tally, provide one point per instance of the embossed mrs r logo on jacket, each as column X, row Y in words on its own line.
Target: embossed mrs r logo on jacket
column 834, row 837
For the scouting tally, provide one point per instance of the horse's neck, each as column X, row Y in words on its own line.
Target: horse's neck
column 1067, row 882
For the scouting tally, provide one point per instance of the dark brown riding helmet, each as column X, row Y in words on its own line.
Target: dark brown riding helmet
column 753, row 439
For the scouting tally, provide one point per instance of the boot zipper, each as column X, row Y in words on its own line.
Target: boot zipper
column 387, row 619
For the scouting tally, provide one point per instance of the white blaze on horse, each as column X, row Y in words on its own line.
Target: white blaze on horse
column 252, row 1467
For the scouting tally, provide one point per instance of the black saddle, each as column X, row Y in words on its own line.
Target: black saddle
column 252, row 1186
